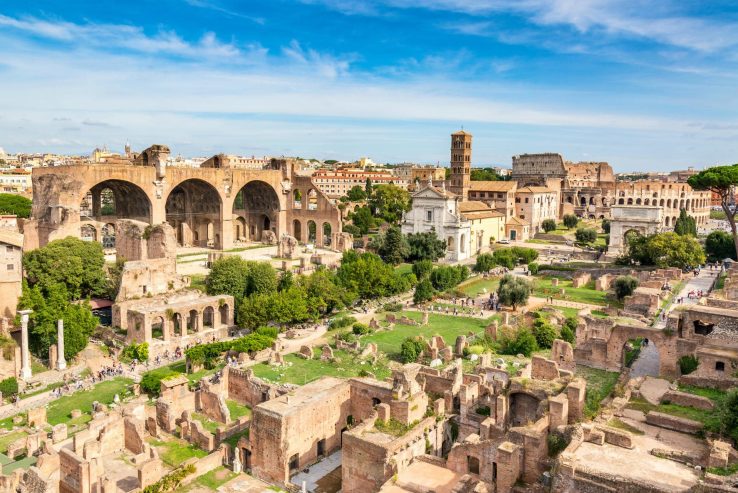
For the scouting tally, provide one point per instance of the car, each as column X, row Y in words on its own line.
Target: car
column 504, row 241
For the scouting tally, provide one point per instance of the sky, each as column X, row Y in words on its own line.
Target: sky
column 643, row 85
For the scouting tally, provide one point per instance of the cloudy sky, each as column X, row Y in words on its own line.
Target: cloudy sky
column 645, row 85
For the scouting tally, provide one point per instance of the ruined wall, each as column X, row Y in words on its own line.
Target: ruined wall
column 243, row 387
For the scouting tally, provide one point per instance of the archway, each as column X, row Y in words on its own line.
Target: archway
column 312, row 232
column 450, row 244
column 208, row 318
column 462, row 243
column 193, row 208
column 666, row 221
column 177, row 324
column 642, row 357
column 193, row 320
column 257, row 204
column 240, row 231
column 630, row 201
column 88, row 232
column 630, row 235
column 157, row 328
column 312, row 200
column 108, row 236
column 297, row 229
column 621, row 202
column 115, row 199
column 223, row 312
column 297, row 199
column 327, row 234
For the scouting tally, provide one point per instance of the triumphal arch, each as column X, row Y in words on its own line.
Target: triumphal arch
column 215, row 205
column 643, row 220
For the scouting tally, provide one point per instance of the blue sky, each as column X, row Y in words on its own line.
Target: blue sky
column 642, row 85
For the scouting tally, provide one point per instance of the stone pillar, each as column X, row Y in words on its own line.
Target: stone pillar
column 61, row 363
column 25, row 355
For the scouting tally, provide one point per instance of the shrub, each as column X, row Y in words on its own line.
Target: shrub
column 485, row 262
column 9, row 386
column 606, row 226
column 448, row 276
column 533, row 268
column 548, row 225
column 272, row 332
column 556, row 443
column 422, row 269
column 410, row 350
column 423, row 292
column 688, row 364
column 521, row 342
column 151, row 380
column 341, row 322
column 524, row 254
column 392, row 307
column 544, row 333
column 484, row 411
column 139, row 352
column 624, row 286
column 513, row 291
column 570, row 220
column 586, row 235
column 361, row 329
column 568, row 335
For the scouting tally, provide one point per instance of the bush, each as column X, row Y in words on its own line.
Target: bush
column 271, row 332
column 524, row 254
column 586, row 235
column 139, row 352
column 570, row 220
column 410, row 350
column 533, row 268
column 361, row 329
column 568, row 335
column 448, row 276
column 9, row 386
column 423, row 292
column 719, row 245
column 485, row 262
column 392, row 307
column 513, row 291
column 688, row 364
column 151, row 380
column 606, row 226
column 347, row 337
column 521, row 342
column 624, row 286
column 422, row 269
column 341, row 322
column 548, row 225
column 544, row 333
column 556, row 444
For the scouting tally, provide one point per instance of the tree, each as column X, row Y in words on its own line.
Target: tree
column 392, row 246
column 363, row 219
column 719, row 246
column 548, row 225
column 624, row 286
column 389, row 202
column 15, row 204
column 606, row 226
column 664, row 250
column 524, row 254
column 484, row 174
column 685, row 225
column 567, row 334
column 410, row 349
column 448, row 276
column 423, row 292
column 78, row 265
column 262, row 278
column 228, row 275
column 586, row 235
column 544, row 333
column 521, row 341
column 425, row 246
column 513, row 291
column 726, row 414
column 356, row 194
column 485, row 262
column 368, row 187
column 570, row 220
column 422, row 269
column 505, row 257
column 722, row 181
column 368, row 276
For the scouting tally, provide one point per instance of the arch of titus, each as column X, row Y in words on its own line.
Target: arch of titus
column 216, row 205
column 642, row 219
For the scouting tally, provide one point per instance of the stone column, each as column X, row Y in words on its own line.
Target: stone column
column 25, row 372
column 61, row 363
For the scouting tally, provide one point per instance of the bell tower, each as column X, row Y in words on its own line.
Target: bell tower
column 461, row 147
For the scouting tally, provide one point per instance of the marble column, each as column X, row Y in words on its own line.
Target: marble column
column 25, row 355
column 61, row 363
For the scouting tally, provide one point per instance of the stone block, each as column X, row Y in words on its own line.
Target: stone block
column 383, row 412
column 59, row 433
column 544, row 369
column 675, row 423
column 37, row 417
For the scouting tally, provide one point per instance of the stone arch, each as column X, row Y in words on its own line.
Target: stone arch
column 193, row 321
column 327, row 232
column 107, row 236
column 646, row 201
column 450, row 243
column 158, row 329
column 297, row 199
column 621, row 201
column 115, row 199
column 177, row 324
column 665, row 345
column 258, row 204
column 666, row 221
column 630, row 200
column 687, row 205
column 312, row 232
column 224, row 313
column 661, row 202
column 240, row 229
column 604, row 201
column 312, row 200
column 583, row 201
column 88, row 232
column 297, row 229
column 208, row 318
column 462, row 243
column 570, row 200
column 191, row 208
column 668, row 204
column 638, row 201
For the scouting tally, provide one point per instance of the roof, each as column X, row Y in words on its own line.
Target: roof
column 535, row 190
column 10, row 237
column 307, row 396
column 439, row 191
column 482, row 214
column 517, row 222
column 461, row 132
column 493, row 186
column 473, row 206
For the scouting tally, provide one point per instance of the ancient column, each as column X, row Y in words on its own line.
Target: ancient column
column 25, row 355
column 61, row 363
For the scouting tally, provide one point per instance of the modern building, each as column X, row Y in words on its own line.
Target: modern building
column 337, row 183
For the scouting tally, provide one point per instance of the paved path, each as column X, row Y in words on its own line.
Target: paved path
column 647, row 363
column 703, row 281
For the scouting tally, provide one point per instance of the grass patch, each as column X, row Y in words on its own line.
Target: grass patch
column 479, row 286
column 622, row 425
column 543, row 287
column 301, row 371
column 197, row 281
column 237, row 410
column 404, row 269
column 717, row 214
column 233, row 440
column 6, row 440
column 705, row 417
column 51, row 386
column 215, row 478
column 724, row 471
column 712, row 394
column 207, row 423
column 600, row 384
column 393, row 427
column 60, row 410
column 175, row 452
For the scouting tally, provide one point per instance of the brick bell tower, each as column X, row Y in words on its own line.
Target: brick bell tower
column 461, row 147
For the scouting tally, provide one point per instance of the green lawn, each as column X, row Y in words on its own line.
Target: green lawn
column 712, row 394
column 447, row 326
column 543, row 287
column 209, row 424
column 700, row 415
column 212, row 480
column 60, row 410
column 175, row 452
column 233, row 440
column 301, row 371
column 237, row 410
column 600, row 384
column 404, row 269
column 197, row 281
column 478, row 286
column 6, row 440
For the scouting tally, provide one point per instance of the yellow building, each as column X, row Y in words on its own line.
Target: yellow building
column 487, row 225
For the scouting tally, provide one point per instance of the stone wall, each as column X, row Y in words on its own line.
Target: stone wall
column 243, row 387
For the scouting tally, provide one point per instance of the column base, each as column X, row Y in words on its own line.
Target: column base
column 61, row 365
column 26, row 373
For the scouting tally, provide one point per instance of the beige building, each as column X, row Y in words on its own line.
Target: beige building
column 15, row 181
column 337, row 183
column 536, row 204
column 418, row 176
column 499, row 195
column 11, row 271
column 486, row 225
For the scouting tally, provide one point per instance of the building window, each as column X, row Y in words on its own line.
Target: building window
column 517, row 200
column 428, row 215
column 719, row 366
column 11, row 267
column 526, row 200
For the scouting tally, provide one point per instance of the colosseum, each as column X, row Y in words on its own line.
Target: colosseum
column 217, row 205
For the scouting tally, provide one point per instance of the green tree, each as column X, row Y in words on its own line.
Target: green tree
column 262, row 278
column 521, row 341
column 322, row 286
column 513, row 291
column 722, row 181
column 606, row 226
column 368, row 187
column 356, row 194
column 524, row 255
column 485, row 262
column 726, row 414
column 425, row 246
column 719, row 246
column 76, row 264
column 624, row 286
column 544, row 333
column 586, row 235
column 505, row 257
column 286, row 279
column 664, row 250
column 389, row 202
column 363, row 219
column 422, row 269
column 15, row 204
column 484, row 174
column 548, row 225
column 570, row 221
column 448, row 276
column 567, row 334
column 393, row 246
column 423, row 292
column 368, row 276
column 410, row 349
column 228, row 275
column 685, row 225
